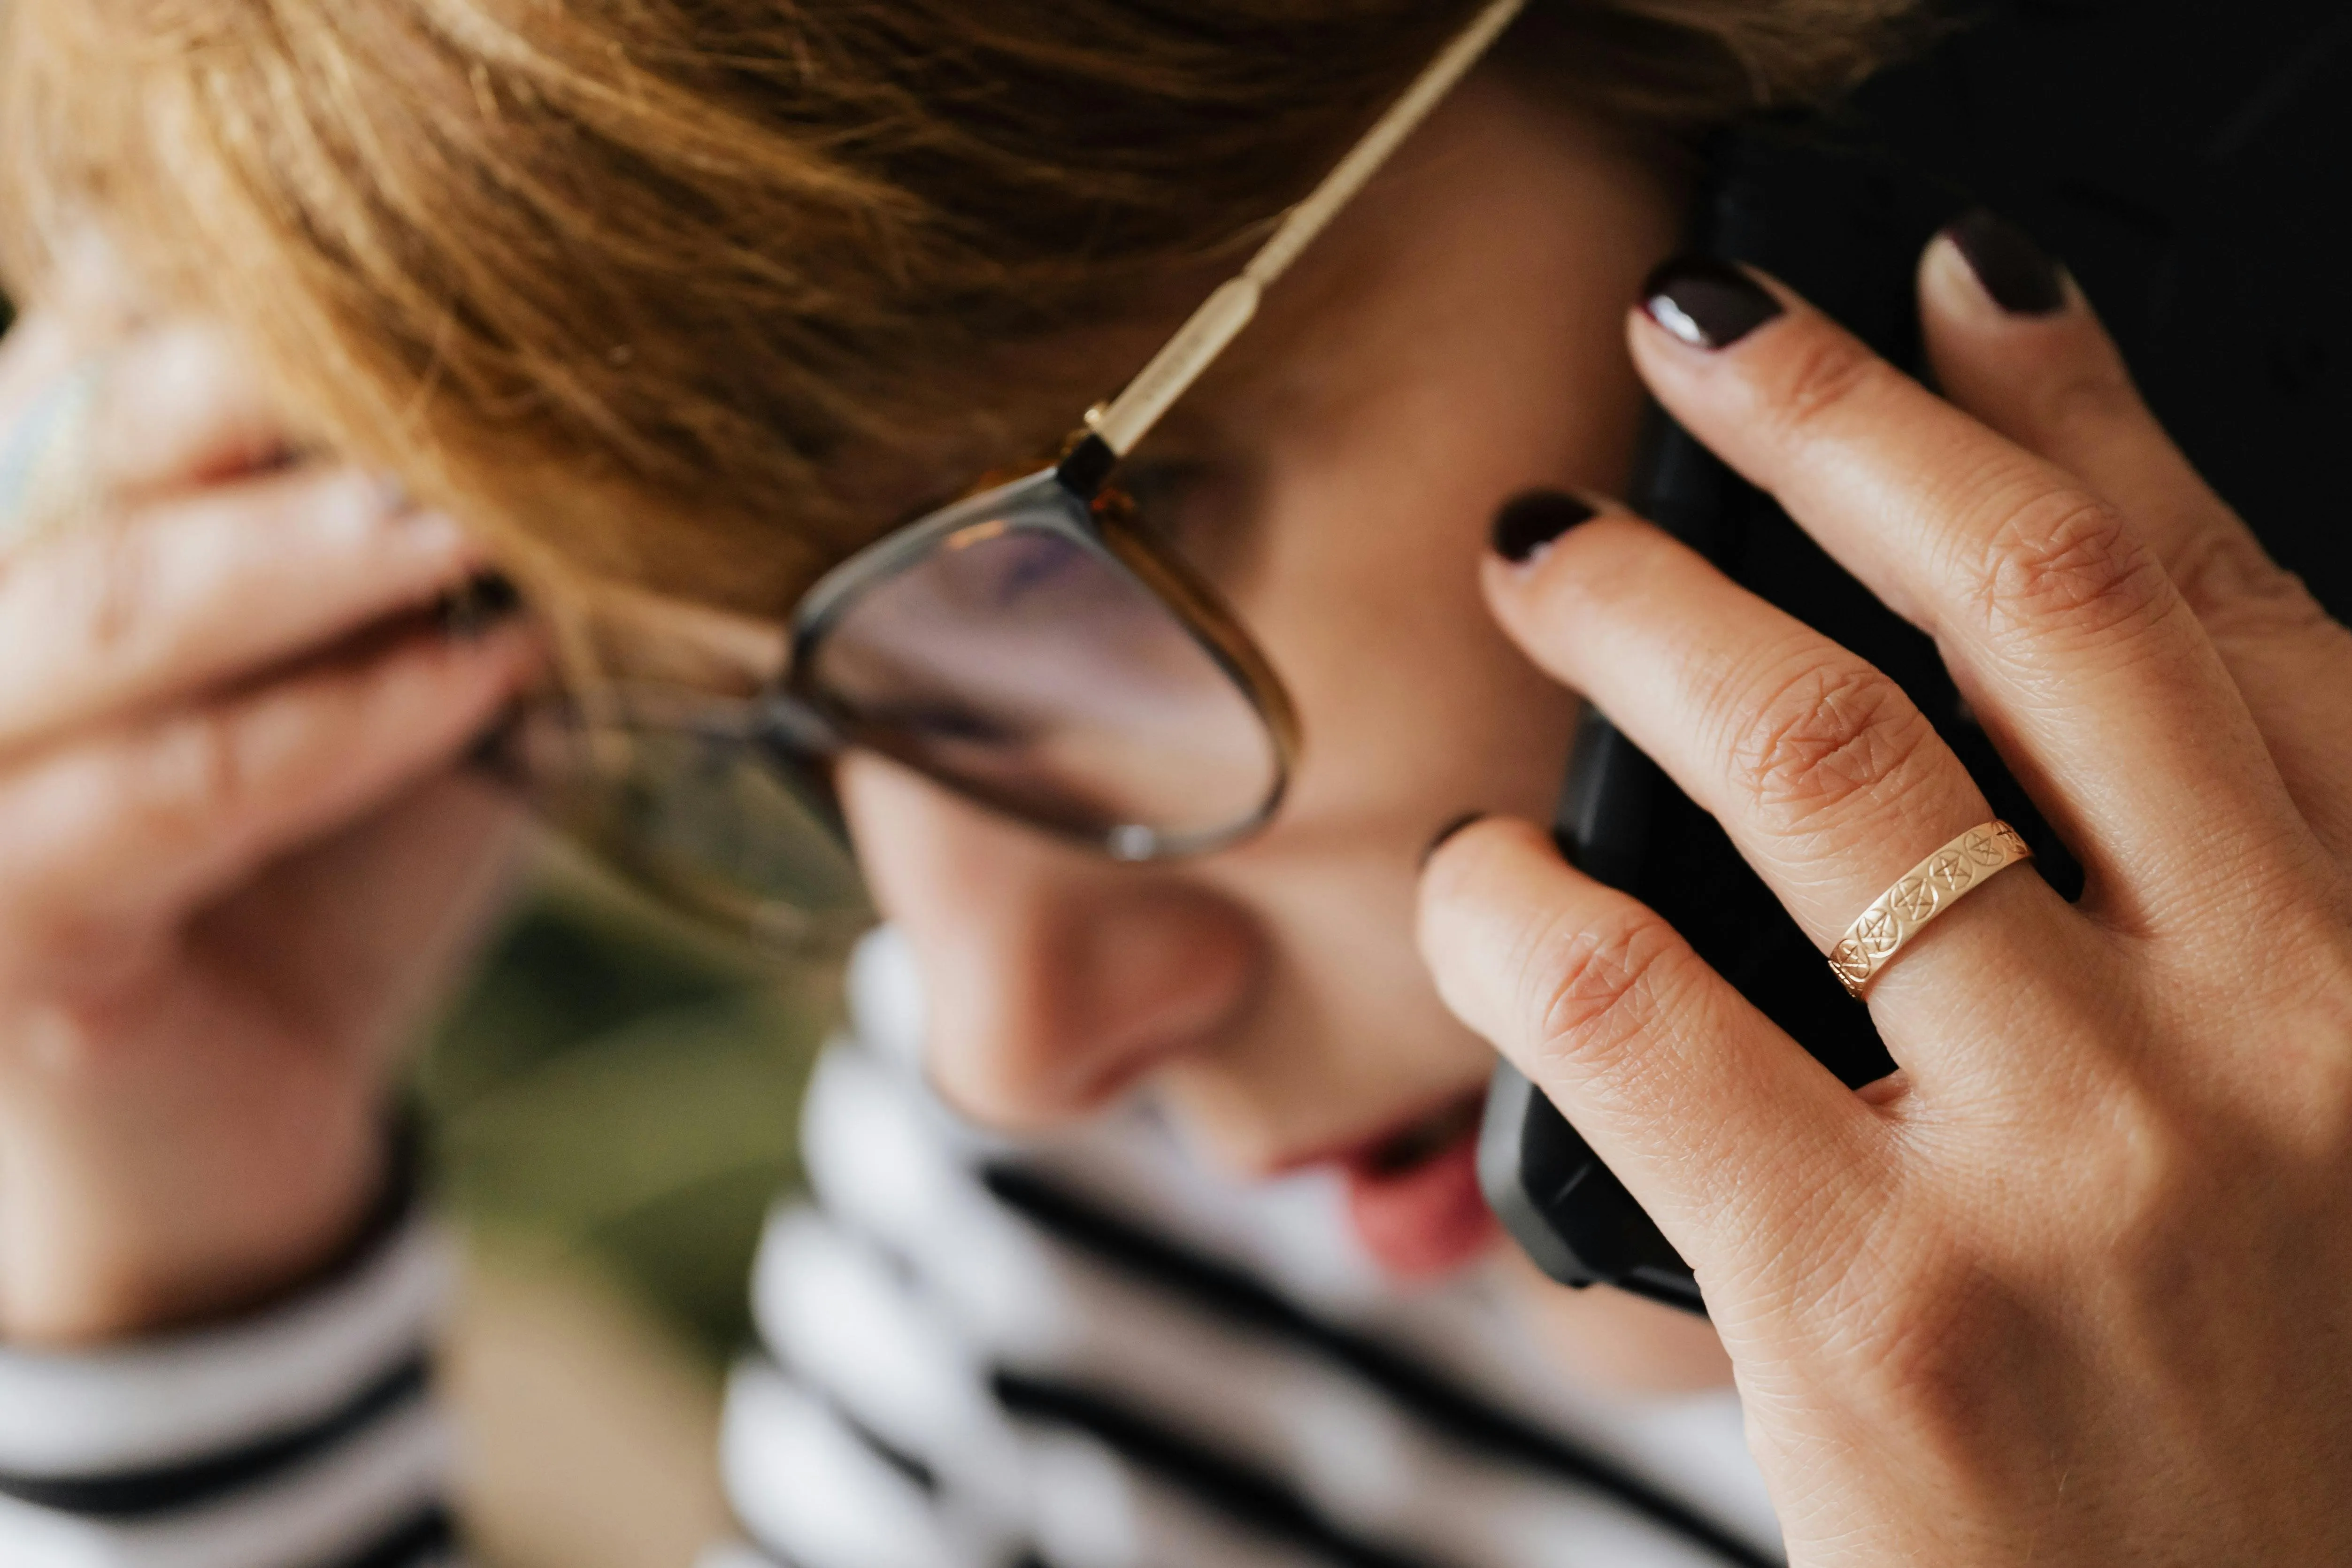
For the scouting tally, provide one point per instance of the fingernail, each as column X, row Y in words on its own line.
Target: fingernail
column 1449, row 830
column 1531, row 520
column 2018, row 274
column 470, row 612
column 1706, row 304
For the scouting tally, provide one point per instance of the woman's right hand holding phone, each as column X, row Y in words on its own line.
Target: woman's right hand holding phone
column 2075, row 1286
column 237, row 843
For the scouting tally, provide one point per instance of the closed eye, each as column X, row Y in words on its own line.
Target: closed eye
column 935, row 723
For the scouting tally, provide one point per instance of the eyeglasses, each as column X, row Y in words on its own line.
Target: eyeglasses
column 1030, row 647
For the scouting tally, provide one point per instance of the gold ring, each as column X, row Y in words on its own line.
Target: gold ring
column 1926, row 890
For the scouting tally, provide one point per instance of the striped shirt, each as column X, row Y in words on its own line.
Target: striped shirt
column 1078, row 1352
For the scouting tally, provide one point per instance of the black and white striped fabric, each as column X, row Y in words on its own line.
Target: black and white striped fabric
column 1084, row 1353
column 1090, row 1354
column 302, row 1437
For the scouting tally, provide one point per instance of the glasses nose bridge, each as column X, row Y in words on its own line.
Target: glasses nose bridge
column 787, row 725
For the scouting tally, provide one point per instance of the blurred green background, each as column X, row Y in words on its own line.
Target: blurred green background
column 616, row 1088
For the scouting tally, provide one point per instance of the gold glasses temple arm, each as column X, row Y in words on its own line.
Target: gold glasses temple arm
column 1130, row 416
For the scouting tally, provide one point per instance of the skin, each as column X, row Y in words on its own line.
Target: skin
column 1339, row 478
column 1336, row 476
column 1937, row 1365
column 197, row 764
column 2064, row 1290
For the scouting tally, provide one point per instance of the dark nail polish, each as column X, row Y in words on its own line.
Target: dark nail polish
column 1449, row 830
column 1533, row 518
column 1706, row 304
column 486, row 599
column 2019, row 274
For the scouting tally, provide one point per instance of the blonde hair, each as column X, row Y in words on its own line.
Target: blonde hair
column 625, row 281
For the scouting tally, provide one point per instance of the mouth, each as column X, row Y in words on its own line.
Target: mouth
column 1412, row 1193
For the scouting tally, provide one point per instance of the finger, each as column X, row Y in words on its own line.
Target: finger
column 1718, row 1122
column 435, row 863
column 47, row 379
column 40, row 347
column 131, row 831
column 189, row 592
column 2058, row 624
column 178, row 406
column 173, row 405
column 89, row 423
column 2050, row 381
column 1826, row 776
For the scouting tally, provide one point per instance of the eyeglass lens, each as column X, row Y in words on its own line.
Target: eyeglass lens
column 712, row 814
column 1023, row 666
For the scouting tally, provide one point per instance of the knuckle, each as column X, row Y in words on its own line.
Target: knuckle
column 194, row 774
column 1826, row 371
column 93, row 591
column 2084, row 398
column 2067, row 562
column 2233, row 586
column 1809, row 742
column 1929, row 1329
column 122, row 593
column 1592, row 989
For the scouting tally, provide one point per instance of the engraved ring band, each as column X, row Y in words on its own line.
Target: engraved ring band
column 1923, row 893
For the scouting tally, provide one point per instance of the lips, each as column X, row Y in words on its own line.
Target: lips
column 1413, row 1196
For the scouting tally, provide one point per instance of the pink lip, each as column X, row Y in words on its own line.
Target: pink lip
column 1418, row 1224
column 1426, row 1222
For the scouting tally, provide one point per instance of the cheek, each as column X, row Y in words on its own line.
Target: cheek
column 1054, row 980
column 1364, row 590
column 1375, row 513
column 1414, row 706
column 916, row 867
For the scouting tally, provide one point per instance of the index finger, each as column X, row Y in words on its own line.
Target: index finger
column 194, row 591
column 1719, row 1124
column 2059, row 624
column 88, row 420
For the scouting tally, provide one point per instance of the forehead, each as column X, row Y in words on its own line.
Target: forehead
column 1431, row 213
column 1484, row 212
column 1463, row 227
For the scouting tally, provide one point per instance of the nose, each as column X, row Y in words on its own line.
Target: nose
column 1054, row 980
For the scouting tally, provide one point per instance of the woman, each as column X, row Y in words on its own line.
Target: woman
column 670, row 310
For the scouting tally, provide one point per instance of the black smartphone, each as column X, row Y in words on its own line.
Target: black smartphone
column 2187, row 165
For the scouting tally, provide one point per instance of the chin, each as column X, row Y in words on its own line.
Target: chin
column 1607, row 1339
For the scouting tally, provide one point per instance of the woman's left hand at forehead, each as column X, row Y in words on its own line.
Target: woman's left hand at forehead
column 2075, row 1285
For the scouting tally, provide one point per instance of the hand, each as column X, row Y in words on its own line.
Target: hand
column 234, row 846
column 2075, row 1286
